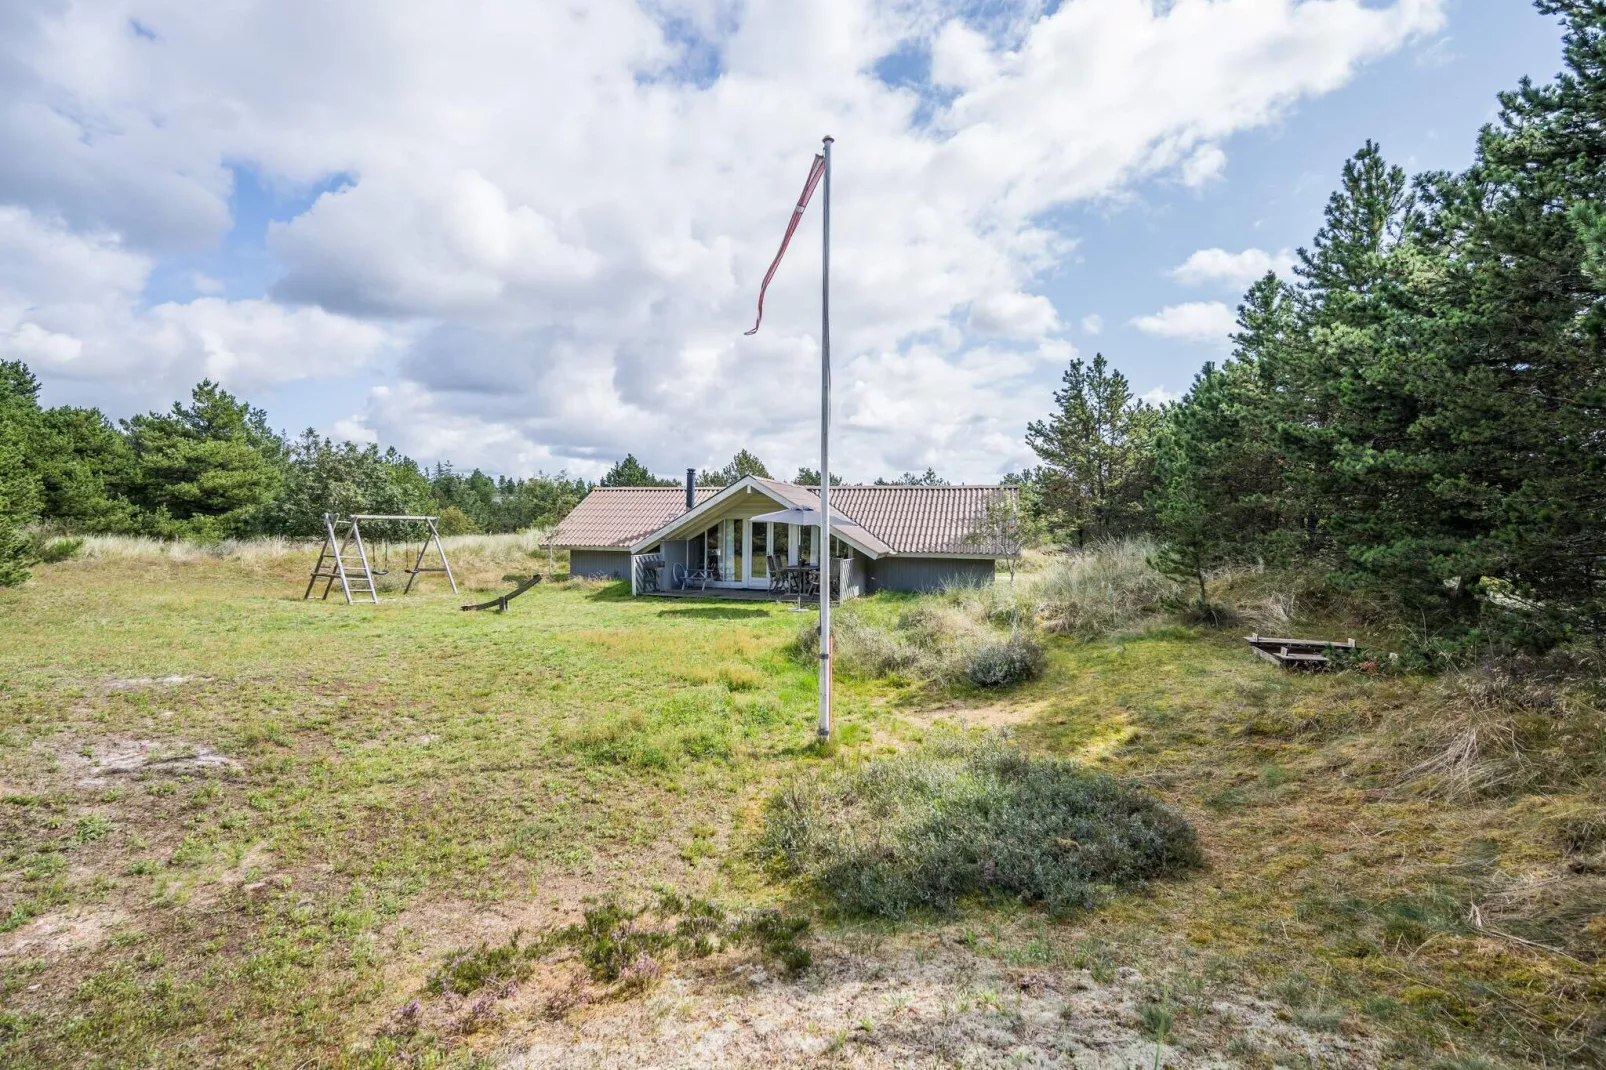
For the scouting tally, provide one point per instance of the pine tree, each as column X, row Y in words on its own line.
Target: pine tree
column 632, row 473
column 1096, row 450
column 810, row 477
column 744, row 464
column 928, row 478
column 209, row 469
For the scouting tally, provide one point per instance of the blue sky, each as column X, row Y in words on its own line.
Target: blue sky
column 530, row 239
column 1423, row 105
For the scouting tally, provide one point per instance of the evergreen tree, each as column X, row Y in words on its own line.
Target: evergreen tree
column 810, row 477
column 209, row 469
column 928, row 478
column 1516, row 383
column 1096, row 450
column 86, row 472
column 632, row 473
column 744, row 464
column 344, row 478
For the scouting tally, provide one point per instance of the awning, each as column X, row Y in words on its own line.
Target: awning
column 803, row 517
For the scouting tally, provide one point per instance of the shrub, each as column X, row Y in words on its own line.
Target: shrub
column 1013, row 661
column 16, row 554
column 453, row 521
column 965, row 817
column 53, row 551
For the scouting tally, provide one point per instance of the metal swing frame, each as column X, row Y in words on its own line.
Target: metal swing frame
column 357, row 577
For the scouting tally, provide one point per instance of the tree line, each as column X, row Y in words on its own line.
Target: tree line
column 214, row 468
column 1419, row 411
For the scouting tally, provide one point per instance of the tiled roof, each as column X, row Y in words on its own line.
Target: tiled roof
column 921, row 520
column 883, row 520
column 614, row 517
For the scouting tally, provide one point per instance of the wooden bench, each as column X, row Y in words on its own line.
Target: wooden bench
column 1296, row 653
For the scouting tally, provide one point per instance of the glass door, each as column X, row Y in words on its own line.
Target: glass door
column 734, row 536
column 758, row 564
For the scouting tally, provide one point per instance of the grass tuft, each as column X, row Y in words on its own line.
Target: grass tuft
column 1108, row 588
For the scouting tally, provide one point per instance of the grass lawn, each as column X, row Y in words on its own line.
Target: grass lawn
column 241, row 829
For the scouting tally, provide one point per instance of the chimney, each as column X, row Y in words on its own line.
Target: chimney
column 691, row 489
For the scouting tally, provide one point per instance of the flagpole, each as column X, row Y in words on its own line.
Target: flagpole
column 829, row 569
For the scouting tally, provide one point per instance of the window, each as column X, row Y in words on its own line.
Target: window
column 840, row 548
column 759, row 565
column 807, row 540
column 780, row 541
column 711, row 550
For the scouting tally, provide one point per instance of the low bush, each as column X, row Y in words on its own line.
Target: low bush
column 52, row 550
column 1012, row 661
column 964, row 817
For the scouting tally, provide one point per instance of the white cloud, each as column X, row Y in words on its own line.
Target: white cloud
column 1207, row 164
column 961, row 58
column 1160, row 396
column 1196, row 321
column 1093, row 324
column 1236, row 271
column 69, row 306
column 202, row 283
column 1014, row 315
column 557, row 215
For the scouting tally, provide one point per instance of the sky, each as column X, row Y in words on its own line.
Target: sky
column 529, row 236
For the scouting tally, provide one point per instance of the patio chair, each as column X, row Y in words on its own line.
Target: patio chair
column 780, row 581
column 682, row 578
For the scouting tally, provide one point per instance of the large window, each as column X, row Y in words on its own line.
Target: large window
column 840, row 548
column 760, row 564
column 807, row 539
column 711, row 557
column 780, row 541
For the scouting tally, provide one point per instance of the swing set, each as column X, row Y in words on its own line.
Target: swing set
column 336, row 560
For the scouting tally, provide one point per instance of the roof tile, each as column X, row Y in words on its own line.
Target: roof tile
column 614, row 517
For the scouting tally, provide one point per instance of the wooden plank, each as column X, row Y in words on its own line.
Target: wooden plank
column 1268, row 655
column 1348, row 644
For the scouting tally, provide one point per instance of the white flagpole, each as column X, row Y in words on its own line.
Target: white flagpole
column 828, row 568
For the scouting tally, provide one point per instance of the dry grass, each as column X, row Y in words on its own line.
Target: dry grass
column 478, row 561
column 1497, row 734
column 1107, row 588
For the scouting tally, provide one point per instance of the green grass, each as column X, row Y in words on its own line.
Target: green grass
column 409, row 777
column 393, row 759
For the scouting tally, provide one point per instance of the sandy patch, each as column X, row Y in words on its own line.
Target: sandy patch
column 992, row 715
column 55, row 934
column 913, row 1007
column 129, row 757
column 134, row 683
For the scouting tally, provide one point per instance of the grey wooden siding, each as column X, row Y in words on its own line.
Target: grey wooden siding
column 927, row 573
column 600, row 564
